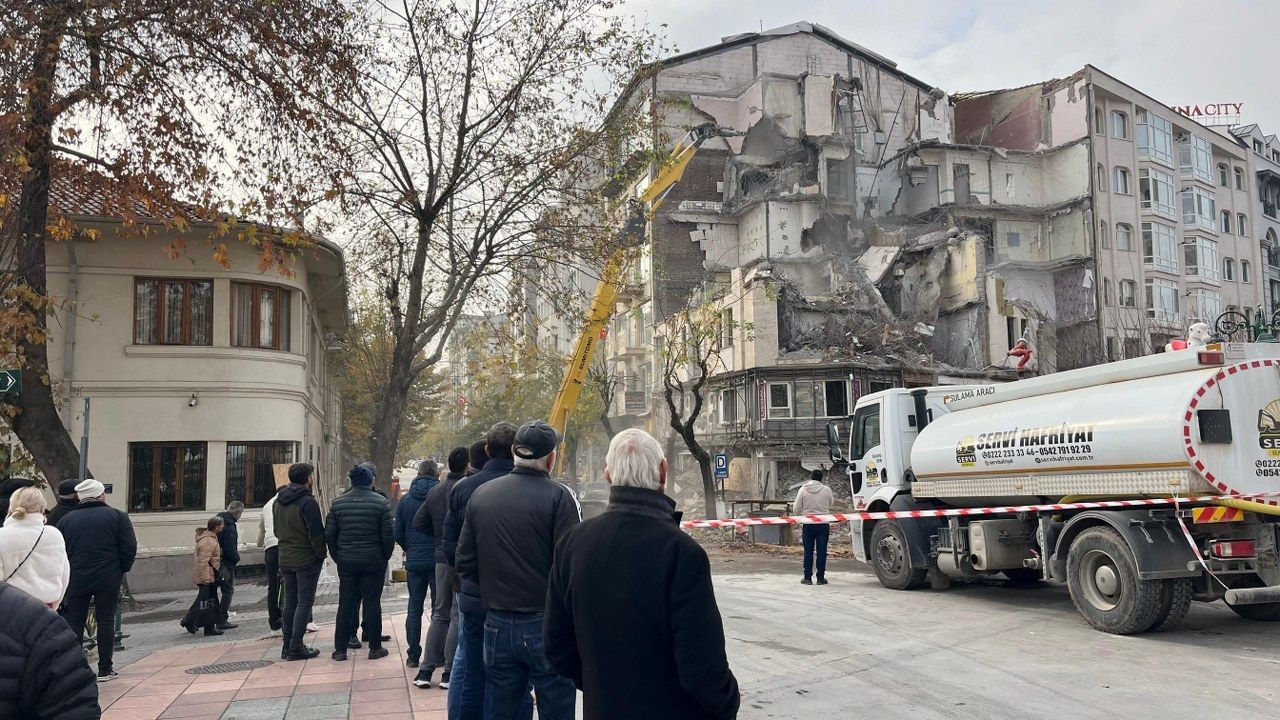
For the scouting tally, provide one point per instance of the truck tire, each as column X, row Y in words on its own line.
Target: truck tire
column 1103, row 579
column 1175, row 603
column 891, row 559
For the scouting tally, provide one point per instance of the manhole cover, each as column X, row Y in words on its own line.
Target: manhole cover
column 227, row 667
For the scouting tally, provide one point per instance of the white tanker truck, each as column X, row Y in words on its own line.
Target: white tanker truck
column 1188, row 423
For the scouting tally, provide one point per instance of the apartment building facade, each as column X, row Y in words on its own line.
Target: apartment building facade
column 1174, row 237
column 204, row 379
column 1264, row 172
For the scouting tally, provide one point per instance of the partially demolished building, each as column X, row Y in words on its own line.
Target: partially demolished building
column 859, row 229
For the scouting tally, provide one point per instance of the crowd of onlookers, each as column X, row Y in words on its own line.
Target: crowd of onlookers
column 526, row 603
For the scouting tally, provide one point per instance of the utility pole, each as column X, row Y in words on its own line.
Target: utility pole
column 84, row 445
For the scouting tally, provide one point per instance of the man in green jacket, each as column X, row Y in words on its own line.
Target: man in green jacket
column 358, row 531
column 301, row 536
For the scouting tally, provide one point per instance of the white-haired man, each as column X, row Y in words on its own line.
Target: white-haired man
column 630, row 597
column 510, row 532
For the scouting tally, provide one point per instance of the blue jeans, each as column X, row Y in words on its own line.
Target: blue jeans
column 815, row 539
column 421, row 582
column 467, row 679
column 514, row 659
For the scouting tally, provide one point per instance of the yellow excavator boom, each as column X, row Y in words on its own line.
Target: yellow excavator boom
column 611, row 280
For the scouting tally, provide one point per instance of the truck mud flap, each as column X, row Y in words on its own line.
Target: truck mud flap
column 1157, row 543
column 919, row 532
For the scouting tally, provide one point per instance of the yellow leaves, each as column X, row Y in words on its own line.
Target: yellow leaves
column 221, row 256
column 91, row 234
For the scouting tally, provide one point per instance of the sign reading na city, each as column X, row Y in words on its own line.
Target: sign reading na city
column 1223, row 113
column 10, row 381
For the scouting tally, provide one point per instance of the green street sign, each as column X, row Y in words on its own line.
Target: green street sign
column 10, row 381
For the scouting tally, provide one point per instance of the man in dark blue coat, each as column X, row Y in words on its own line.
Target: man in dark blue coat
column 101, row 548
column 358, row 534
column 419, row 556
column 466, row 689
column 229, row 541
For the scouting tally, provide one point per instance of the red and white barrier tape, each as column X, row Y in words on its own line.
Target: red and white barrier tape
column 960, row 512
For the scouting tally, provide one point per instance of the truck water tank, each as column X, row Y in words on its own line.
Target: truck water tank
column 1212, row 430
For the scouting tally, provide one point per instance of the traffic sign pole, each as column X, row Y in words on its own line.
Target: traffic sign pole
column 84, row 445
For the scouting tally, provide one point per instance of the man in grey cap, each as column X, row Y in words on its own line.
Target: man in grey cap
column 511, row 528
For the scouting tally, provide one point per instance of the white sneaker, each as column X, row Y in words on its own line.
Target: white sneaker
column 312, row 627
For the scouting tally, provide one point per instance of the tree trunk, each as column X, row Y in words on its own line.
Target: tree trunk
column 37, row 423
column 390, row 423
column 685, row 430
column 708, row 487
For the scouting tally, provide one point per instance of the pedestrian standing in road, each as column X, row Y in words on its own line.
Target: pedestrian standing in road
column 33, row 555
column 204, row 612
column 101, row 547
column 508, row 538
column 419, row 556
column 814, row 498
column 271, row 558
column 67, row 501
column 358, row 532
column 467, row 678
column 229, row 539
column 43, row 672
column 442, row 635
column 301, row 542
column 630, row 597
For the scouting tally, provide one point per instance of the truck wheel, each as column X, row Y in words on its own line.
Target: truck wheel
column 1175, row 603
column 1103, row 579
column 891, row 559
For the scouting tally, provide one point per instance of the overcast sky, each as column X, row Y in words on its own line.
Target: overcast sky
column 1177, row 51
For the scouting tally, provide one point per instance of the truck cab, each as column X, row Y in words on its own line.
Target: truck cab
column 881, row 432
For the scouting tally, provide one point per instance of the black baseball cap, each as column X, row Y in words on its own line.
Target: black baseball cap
column 535, row 439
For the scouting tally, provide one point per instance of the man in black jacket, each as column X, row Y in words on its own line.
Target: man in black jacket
column 301, row 542
column 442, row 634
column 467, row 679
column 229, row 541
column 101, row 548
column 633, row 562
column 511, row 529
column 43, row 673
column 67, row 501
column 358, row 532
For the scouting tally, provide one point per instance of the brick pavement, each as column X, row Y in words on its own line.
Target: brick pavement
column 159, row 687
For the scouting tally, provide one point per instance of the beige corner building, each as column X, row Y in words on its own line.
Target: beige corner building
column 202, row 378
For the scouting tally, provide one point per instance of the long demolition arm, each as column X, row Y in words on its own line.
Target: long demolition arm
column 610, row 285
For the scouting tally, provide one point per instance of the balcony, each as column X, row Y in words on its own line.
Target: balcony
column 1165, row 318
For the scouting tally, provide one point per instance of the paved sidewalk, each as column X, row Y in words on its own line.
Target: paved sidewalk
column 159, row 686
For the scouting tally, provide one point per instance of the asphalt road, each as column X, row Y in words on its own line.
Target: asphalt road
column 854, row 649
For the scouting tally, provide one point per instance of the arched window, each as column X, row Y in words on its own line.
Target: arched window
column 1099, row 126
column 1244, row 272
column 1102, row 178
column 1119, row 125
column 1239, row 178
column 1228, row 269
column 1242, row 224
column 1121, row 181
column 1102, row 235
column 1223, row 175
column 1225, row 225
column 1124, row 236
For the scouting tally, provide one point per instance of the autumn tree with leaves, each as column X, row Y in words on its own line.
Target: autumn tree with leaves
column 136, row 103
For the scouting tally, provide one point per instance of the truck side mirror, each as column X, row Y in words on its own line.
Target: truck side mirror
column 833, row 444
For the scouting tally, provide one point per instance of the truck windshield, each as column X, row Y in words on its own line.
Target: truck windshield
column 866, row 430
